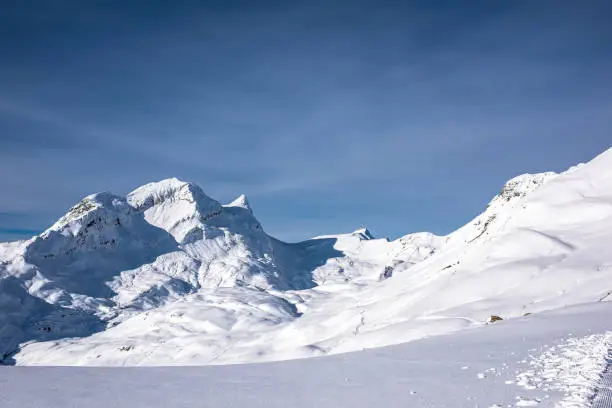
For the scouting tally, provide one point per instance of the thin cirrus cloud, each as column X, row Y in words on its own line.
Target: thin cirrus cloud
column 329, row 116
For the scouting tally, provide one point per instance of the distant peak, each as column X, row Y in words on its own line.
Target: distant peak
column 364, row 233
column 241, row 202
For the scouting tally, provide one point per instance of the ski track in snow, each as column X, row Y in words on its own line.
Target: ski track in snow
column 579, row 368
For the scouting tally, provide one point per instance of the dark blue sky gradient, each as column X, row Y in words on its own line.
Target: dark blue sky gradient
column 329, row 115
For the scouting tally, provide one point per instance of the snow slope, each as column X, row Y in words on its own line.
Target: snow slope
column 170, row 276
column 506, row 364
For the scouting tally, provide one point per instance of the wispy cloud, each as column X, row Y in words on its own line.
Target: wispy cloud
column 348, row 114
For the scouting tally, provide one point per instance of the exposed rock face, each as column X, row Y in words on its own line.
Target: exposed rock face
column 523, row 185
column 493, row 319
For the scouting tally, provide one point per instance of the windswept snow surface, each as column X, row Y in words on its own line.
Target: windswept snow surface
column 478, row 367
column 169, row 276
column 575, row 367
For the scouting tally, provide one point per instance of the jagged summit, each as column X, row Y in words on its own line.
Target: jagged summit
column 361, row 234
column 242, row 202
column 364, row 233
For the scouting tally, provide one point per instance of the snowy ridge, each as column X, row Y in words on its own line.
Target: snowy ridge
column 170, row 276
column 521, row 186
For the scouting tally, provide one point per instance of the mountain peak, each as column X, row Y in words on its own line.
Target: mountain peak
column 172, row 189
column 521, row 186
column 174, row 205
column 364, row 233
column 88, row 205
column 242, row 202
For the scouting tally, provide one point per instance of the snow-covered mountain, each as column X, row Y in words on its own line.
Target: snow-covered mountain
column 167, row 275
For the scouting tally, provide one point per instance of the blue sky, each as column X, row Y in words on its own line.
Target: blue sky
column 329, row 115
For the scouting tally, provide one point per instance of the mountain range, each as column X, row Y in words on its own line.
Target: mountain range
column 167, row 275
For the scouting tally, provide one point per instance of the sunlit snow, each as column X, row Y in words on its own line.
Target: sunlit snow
column 169, row 276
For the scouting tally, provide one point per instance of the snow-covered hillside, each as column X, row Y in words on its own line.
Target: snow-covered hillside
column 168, row 275
column 552, row 359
